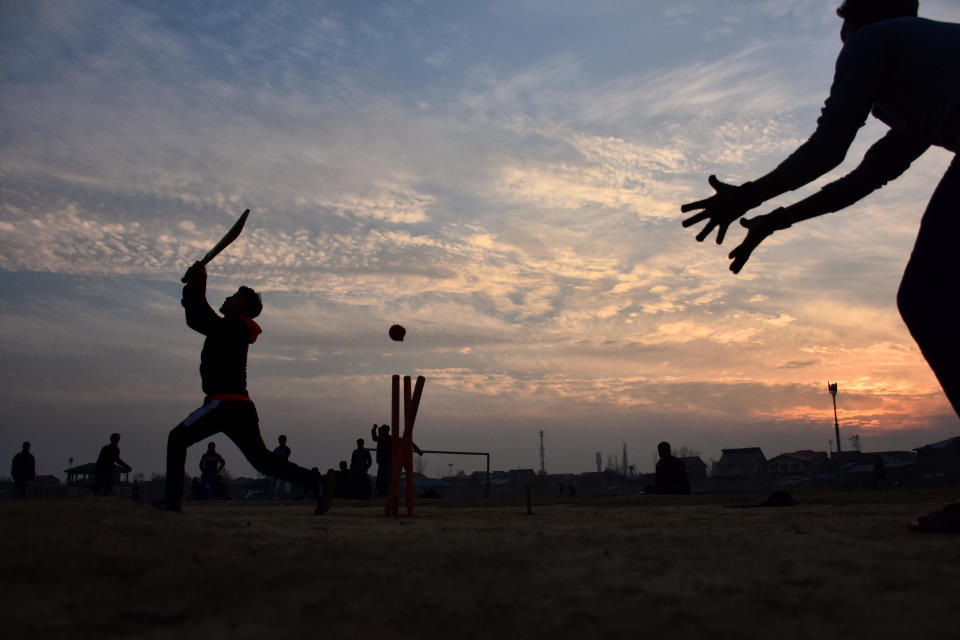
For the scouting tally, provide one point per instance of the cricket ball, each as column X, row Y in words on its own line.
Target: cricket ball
column 397, row 332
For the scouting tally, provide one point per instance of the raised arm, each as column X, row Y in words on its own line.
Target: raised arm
column 886, row 160
column 856, row 82
column 200, row 317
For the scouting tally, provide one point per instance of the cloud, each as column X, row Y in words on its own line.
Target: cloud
column 503, row 179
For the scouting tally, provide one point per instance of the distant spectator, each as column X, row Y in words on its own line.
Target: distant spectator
column 282, row 451
column 211, row 464
column 106, row 466
column 343, row 481
column 671, row 476
column 23, row 470
column 880, row 473
column 381, row 435
column 360, row 463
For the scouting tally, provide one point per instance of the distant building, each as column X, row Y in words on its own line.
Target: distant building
column 798, row 468
column 84, row 474
column 940, row 462
column 896, row 469
column 748, row 461
column 696, row 469
column 609, row 483
column 48, row 486
column 519, row 476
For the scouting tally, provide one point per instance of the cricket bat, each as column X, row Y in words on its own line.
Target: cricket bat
column 225, row 241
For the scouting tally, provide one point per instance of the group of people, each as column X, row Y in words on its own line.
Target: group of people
column 23, row 469
column 353, row 481
column 902, row 68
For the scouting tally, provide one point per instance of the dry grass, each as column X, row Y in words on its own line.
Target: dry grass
column 839, row 565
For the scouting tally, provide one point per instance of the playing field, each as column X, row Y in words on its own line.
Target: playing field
column 839, row 565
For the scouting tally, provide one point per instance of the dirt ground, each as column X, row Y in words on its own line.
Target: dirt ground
column 838, row 565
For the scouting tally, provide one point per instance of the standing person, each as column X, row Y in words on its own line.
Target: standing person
column 23, row 469
column 381, row 435
column 282, row 451
column 360, row 462
column 227, row 407
column 106, row 467
column 671, row 475
column 905, row 70
column 880, row 473
column 344, row 479
column 211, row 464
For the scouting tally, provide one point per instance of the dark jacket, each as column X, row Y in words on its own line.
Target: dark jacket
column 360, row 461
column 212, row 462
column 223, row 360
column 109, row 456
column 23, row 467
column 384, row 448
column 671, row 476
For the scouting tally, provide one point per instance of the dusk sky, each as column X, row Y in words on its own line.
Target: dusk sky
column 503, row 178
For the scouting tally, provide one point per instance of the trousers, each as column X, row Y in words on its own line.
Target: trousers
column 238, row 420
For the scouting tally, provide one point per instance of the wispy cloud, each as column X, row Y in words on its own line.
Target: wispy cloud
column 504, row 179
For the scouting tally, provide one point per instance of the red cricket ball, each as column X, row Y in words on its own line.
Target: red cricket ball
column 397, row 332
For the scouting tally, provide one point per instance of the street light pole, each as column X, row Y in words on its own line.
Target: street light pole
column 832, row 387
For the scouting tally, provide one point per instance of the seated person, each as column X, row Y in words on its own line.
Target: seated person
column 671, row 475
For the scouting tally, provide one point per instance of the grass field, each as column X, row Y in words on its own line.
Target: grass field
column 838, row 565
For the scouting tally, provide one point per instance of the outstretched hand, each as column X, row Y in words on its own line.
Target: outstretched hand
column 758, row 229
column 719, row 210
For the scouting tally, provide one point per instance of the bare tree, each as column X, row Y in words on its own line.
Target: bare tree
column 855, row 441
column 687, row 452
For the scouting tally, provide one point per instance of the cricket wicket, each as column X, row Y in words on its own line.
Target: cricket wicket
column 402, row 446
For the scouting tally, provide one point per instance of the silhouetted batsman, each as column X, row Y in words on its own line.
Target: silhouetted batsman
column 906, row 71
column 227, row 407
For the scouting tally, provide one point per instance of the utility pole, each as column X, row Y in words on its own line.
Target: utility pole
column 599, row 462
column 543, row 468
column 832, row 387
column 625, row 471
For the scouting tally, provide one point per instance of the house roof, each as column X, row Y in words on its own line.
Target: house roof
column 810, row 453
column 940, row 445
column 734, row 455
column 796, row 456
column 894, row 455
column 868, row 467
